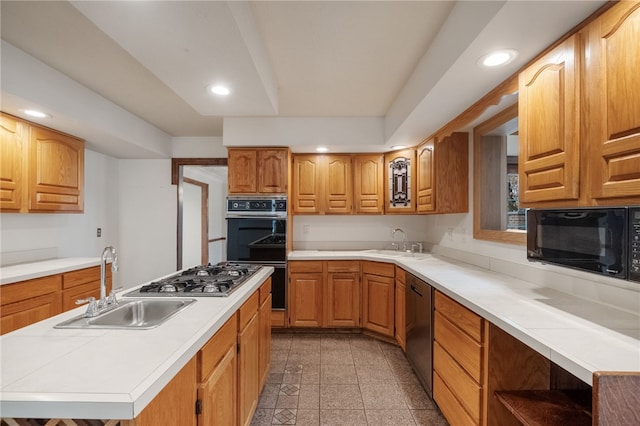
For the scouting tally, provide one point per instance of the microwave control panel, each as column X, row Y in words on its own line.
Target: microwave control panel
column 634, row 244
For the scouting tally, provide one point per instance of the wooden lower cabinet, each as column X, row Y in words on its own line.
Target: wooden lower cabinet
column 459, row 362
column 400, row 323
column 175, row 404
column 218, row 377
column 27, row 302
column 342, row 294
column 305, row 294
column 378, row 307
column 264, row 313
column 248, row 360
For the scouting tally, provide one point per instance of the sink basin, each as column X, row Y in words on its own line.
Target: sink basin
column 139, row 314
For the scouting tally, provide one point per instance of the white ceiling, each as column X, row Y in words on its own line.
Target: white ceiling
column 410, row 64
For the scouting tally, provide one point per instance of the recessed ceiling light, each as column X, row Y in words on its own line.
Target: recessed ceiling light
column 35, row 113
column 322, row 149
column 499, row 57
column 219, row 90
column 394, row 147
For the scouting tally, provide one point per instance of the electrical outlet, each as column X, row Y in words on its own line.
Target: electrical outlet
column 99, row 233
column 305, row 229
column 450, row 233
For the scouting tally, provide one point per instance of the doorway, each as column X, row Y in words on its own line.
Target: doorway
column 201, row 228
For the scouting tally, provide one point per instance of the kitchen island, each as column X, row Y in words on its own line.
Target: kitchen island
column 106, row 374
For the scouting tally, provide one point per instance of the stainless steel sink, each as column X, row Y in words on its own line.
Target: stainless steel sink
column 139, row 314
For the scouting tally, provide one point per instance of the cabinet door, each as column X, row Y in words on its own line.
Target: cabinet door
column 217, row 394
column 56, row 171
column 272, row 170
column 549, row 129
column 307, row 184
column 400, row 314
column 426, row 201
column 176, row 402
column 338, row 192
column 12, row 163
column 265, row 340
column 612, row 87
column 379, row 302
column 248, row 370
column 400, row 181
column 305, row 299
column 242, row 164
column 368, row 194
column 342, row 301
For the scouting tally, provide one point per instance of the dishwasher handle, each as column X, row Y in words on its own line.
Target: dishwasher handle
column 415, row 290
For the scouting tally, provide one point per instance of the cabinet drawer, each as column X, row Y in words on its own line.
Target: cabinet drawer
column 248, row 310
column 449, row 405
column 343, row 266
column 10, row 293
column 265, row 290
column 379, row 268
column 466, row 351
column 401, row 275
column 462, row 317
column 216, row 348
column 466, row 390
column 84, row 276
column 305, row 266
column 70, row 296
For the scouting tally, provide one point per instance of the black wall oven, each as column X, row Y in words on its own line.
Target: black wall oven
column 257, row 234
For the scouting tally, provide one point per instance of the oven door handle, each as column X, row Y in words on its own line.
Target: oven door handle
column 261, row 215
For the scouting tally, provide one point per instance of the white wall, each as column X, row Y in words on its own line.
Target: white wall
column 147, row 218
column 25, row 236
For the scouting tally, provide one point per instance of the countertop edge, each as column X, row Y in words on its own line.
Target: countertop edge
column 28, row 271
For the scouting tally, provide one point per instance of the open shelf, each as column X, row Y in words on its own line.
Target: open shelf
column 548, row 407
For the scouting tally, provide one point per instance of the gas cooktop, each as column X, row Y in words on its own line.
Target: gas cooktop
column 219, row 280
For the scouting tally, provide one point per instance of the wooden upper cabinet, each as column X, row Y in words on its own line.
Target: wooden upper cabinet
column 242, row 169
column 307, row 184
column 426, row 201
column 452, row 173
column 613, row 105
column 549, row 127
column 272, row 170
column 368, row 183
column 322, row 184
column 400, row 181
column 56, row 171
column 42, row 170
column 258, row 171
column 12, row 165
column 338, row 189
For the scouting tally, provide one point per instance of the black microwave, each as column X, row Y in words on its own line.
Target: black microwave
column 600, row 240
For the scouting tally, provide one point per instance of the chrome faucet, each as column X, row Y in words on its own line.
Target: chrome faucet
column 105, row 303
column 404, row 237
column 108, row 251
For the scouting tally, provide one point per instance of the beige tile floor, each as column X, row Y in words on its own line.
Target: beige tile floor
column 342, row 380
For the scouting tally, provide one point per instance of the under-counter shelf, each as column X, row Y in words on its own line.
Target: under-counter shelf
column 548, row 407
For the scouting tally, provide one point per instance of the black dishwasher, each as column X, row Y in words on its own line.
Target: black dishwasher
column 419, row 338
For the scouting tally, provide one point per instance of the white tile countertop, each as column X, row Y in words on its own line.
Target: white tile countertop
column 26, row 271
column 579, row 335
column 105, row 374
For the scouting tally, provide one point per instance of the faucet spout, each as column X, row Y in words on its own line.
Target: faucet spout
column 108, row 252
